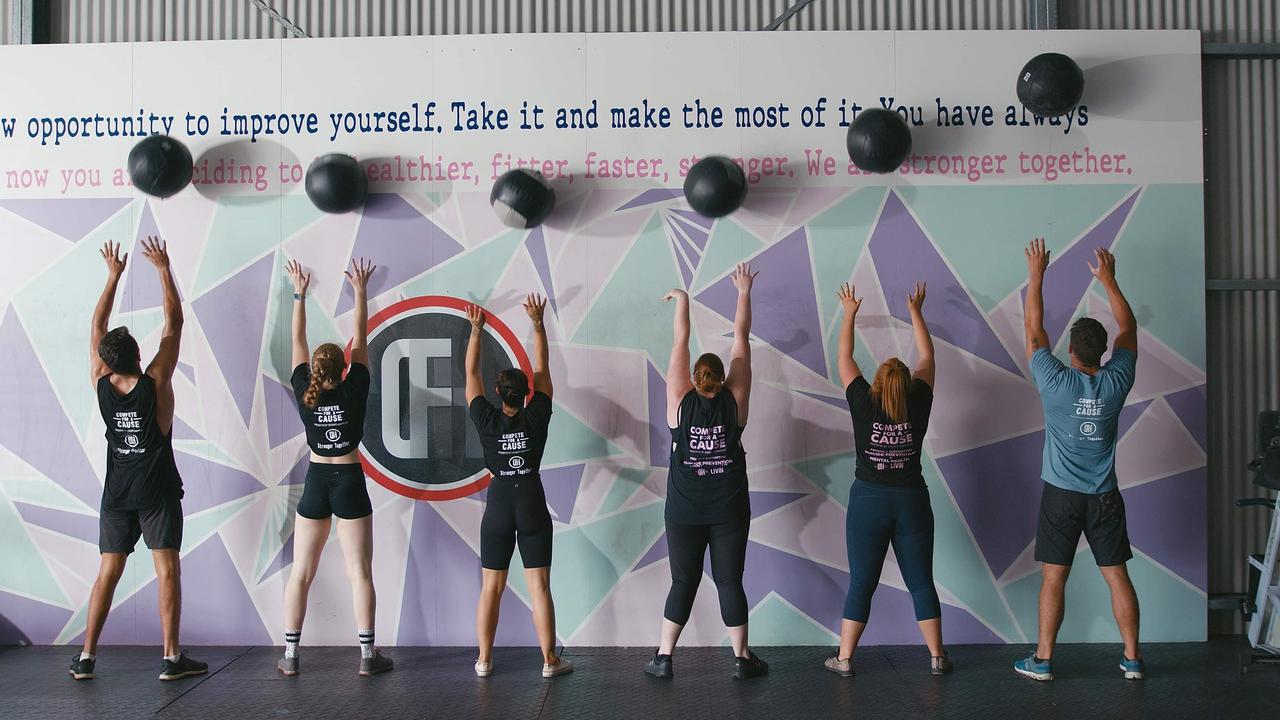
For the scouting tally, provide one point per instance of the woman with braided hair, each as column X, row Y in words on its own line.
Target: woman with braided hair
column 332, row 408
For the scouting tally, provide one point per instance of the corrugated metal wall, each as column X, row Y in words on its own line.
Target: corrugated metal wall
column 1242, row 105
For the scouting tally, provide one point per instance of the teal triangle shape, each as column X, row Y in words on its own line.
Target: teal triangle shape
column 832, row 474
column 774, row 622
column 244, row 228
column 279, row 524
column 23, row 570
column 836, row 240
column 981, row 230
column 56, row 308
column 728, row 245
column 629, row 312
column 39, row 490
column 861, row 355
column 626, row 482
column 471, row 275
column 570, row 441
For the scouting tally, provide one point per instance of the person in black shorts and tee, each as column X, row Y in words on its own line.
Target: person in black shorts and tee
column 142, row 495
column 513, row 437
column 707, row 501
column 332, row 409
column 888, row 501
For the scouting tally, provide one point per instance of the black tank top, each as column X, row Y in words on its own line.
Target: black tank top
column 141, row 472
column 335, row 426
column 708, row 478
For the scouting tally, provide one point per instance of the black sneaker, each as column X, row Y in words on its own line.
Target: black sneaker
column 82, row 669
column 183, row 667
column 379, row 663
column 749, row 667
column 659, row 666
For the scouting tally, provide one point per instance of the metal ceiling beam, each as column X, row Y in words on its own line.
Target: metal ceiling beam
column 787, row 14
column 21, row 21
column 1242, row 51
column 290, row 26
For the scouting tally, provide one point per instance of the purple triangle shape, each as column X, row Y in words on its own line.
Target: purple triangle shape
column 143, row 287
column 536, row 243
column 649, row 197
column 1172, row 526
column 814, row 589
column 1000, row 508
column 684, row 238
column 785, row 289
column 211, row 591
column 83, row 527
column 694, row 218
column 903, row 256
column 659, row 433
column 71, row 218
column 1189, row 406
column 183, row 431
column 841, row 403
column 764, row 502
column 400, row 240
column 24, row 621
column 1068, row 277
column 283, row 422
column 44, row 439
column 207, row 484
column 187, row 370
column 561, row 486
column 281, row 561
column 1129, row 415
column 232, row 315
column 657, row 551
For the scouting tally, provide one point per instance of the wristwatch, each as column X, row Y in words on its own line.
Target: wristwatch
column 299, row 296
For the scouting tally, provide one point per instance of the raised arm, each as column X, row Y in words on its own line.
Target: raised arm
column 849, row 370
column 739, row 380
column 920, row 331
column 1033, row 312
column 475, row 384
column 1105, row 271
column 301, row 281
column 678, row 381
column 102, row 311
column 535, row 305
column 165, row 362
column 358, row 276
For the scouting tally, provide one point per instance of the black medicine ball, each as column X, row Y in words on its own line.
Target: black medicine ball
column 522, row 198
column 160, row 166
column 715, row 186
column 879, row 140
column 336, row 183
column 1050, row 84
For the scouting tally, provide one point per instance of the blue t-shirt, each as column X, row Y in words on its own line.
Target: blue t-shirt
column 1080, row 417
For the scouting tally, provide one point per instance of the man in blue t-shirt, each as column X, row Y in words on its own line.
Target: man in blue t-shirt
column 1081, row 407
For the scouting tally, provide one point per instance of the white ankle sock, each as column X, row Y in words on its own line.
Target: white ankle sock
column 173, row 658
column 291, row 640
column 87, row 656
column 366, row 643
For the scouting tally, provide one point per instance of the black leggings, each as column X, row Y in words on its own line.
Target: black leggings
column 687, row 544
column 515, row 512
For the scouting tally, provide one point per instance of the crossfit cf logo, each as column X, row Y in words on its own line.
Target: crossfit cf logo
column 418, row 437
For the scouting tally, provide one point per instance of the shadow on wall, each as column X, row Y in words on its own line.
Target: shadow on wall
column 11, row 634
column 233, row 167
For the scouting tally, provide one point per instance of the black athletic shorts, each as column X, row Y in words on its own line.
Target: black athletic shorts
column 160, row 527
column 515, row 511
column 1064, row 514
column 334, row 490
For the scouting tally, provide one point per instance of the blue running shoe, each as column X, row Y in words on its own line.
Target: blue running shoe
column 1133, row 669
column 1034, row 668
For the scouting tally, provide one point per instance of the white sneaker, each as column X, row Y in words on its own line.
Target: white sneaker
column 484, row 668
column 562, row 667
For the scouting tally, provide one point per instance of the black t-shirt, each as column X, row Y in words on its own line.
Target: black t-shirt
column 707, row 482
column 141, row 472
column 335, row 425
column 887, row 452
column 513, row 444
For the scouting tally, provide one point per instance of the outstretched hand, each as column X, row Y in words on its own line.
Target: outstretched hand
column 1037, row 258
column 1105, row 270
column 111, row 255
column 915, row 298
column 535, row 305
column 847, row 299
column 675, row 294
column 301, row 280
column 743, row 277
column 475, row 314
column 156, row 250
column 359, row 273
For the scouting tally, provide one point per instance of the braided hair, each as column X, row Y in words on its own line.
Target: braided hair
column 327, row 364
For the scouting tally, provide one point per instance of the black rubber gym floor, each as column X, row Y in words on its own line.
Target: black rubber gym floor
column 1187, row 680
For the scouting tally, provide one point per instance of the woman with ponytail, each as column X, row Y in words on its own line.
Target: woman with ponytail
column 707, row 502
column 889, row 502
column 332, row 408
column 513, row 437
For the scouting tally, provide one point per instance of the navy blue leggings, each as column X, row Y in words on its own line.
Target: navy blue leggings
column 883, row 514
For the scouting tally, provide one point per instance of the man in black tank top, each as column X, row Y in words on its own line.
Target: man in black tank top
column 142, row 490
